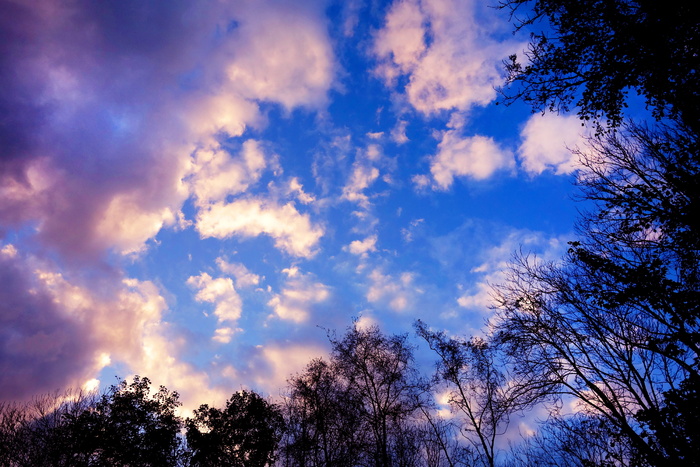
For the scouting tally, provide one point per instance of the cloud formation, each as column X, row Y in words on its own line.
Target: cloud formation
column 443, row 51
column 114, row 115
column 291, row 231
column 548, row 141
column 300, row 293
column 477, row 157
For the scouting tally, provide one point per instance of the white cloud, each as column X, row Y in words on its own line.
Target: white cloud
column 545, row 139
column 284, row 361
column 292, row 231
column 74, row 331
column 244, row 278
column 361, row 178
column 299, row 295
column 297, row 189
column 228, row 304
column 493, row 270
column 398, row 293
column 445, row 52
column 398, row 133
column 362, row 247
column 365, row 172
column 215, row 174
column 281, row 54
column 476, row 156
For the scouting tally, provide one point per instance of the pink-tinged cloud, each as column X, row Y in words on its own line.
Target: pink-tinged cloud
column 217, row 174
column 397, row 292
column 477, row 157
column 57, row 333
column 299, row 295
column 444, row 50
column 282, row 54
column 292, row 231
column 228, row 305
column 548, row 141
column 106, row 102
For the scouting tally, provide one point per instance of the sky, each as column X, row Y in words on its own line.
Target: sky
column 197, row 192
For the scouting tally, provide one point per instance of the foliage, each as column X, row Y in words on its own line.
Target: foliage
column 127, row 426
column 244, row 433
column 592, row 53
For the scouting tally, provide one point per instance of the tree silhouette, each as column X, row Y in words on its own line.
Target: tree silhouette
column 244, row 433
column 615, row 324
column 592, row 53
column 127, row 426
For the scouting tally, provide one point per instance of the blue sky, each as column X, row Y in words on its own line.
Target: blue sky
column 194, row 191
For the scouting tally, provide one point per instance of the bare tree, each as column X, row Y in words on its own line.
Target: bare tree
column 615, row 323
column 481, row 390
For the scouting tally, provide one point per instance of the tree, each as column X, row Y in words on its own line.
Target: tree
column 244, row 433
column 481, row 391
column 323, row 426
column 575, row 441
column 592, row 53
column 127, row 426
column 361, row 408
column 379, row 371
column 615, row 323
column 33, row 433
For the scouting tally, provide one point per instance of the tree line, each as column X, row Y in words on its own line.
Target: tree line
column 606, row 340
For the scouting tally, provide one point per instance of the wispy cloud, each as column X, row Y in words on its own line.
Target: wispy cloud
column 299, row 294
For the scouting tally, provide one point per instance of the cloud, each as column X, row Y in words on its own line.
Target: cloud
column 228, row 304
column 398, row 133
column 444, row 50
column 547, row 141
column 283, row 361
column 292, row 231
column 56, row 333
column 297, row 189
column 362, row 247
column 216, row 174
column 298, row 296
column 398, row 293
column 365, row 172
column 476, row 156
column 282, row 54
column 243, row 277
column 495, row 262
column 106, row 107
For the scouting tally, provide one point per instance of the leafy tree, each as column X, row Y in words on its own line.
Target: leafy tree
column 244, row 433
column 592, row 53
column 127, row 426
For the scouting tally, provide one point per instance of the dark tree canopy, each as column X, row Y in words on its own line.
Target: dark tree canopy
column 245, row 433
column 127, row 426
column 592, row 53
